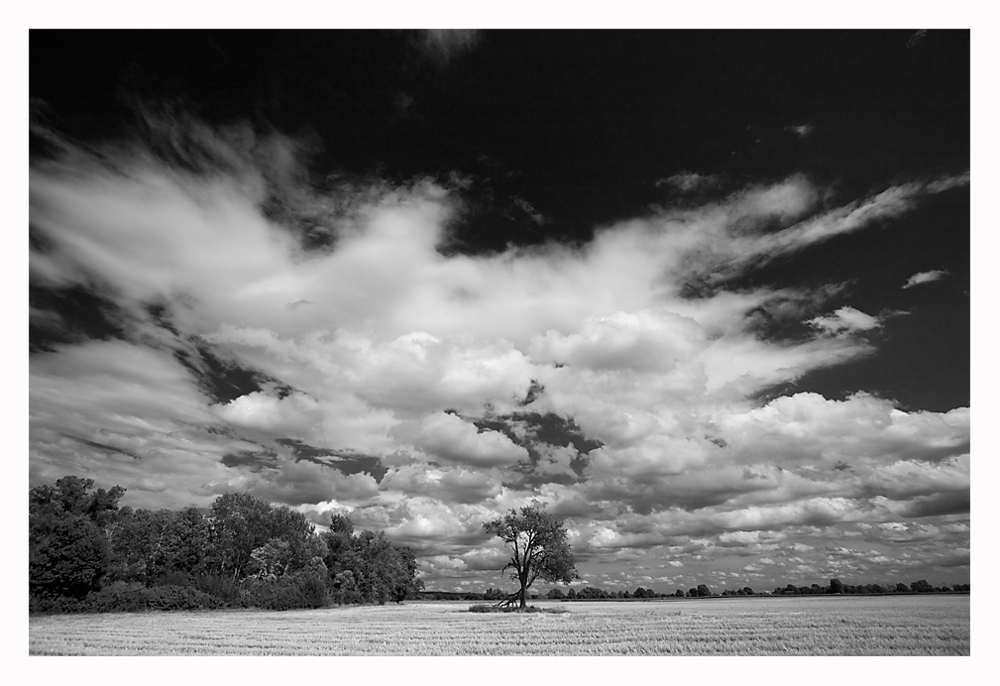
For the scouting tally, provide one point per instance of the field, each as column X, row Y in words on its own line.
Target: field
column 867, row 625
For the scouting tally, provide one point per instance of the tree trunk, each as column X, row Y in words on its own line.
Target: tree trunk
column 524, row 594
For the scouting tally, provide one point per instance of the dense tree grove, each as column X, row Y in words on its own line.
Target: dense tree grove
column 88, row 554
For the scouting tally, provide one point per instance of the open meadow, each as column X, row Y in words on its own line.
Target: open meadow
column 856, row 625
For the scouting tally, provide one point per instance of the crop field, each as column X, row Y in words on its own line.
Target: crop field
column 867, row 625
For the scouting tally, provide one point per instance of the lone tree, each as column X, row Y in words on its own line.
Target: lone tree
column 540, row 550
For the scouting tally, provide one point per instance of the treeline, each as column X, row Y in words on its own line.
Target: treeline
column 585, row 593
column 837, row 587
column 703, row 591
column 87, row 554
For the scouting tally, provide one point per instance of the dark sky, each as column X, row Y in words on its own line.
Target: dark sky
column 706, row 293
column 582, row 125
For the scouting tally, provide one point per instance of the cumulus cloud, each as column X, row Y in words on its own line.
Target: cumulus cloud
column 807, row 428
column 924, row 277
column 554, row 459
column 458, row 485
column 292, row 415
column 641, row 341
column 451, row 438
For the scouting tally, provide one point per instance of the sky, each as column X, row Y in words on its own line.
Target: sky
column 703, row 295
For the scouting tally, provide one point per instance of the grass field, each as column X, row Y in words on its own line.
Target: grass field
column 866, row 625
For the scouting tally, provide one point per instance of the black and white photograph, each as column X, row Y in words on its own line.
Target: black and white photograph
column 499, row 342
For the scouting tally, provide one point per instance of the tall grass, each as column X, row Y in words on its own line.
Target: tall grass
column 904, row 625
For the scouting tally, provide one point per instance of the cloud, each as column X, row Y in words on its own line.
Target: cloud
column 298, row 483
column 556, row 460
column 634, row 341
column 924, row 277
column 451, row 438
column 367, row 339
column 687, row 181
column 292, row 415
column 444, row 45
column 134, row 398
column 457, row 485
column 789, row 451
column 801, row 130
column 859, row 430
column 150, row 485
column 958, row 557
column 844, row 321
column 853, row 216
column 916, row 38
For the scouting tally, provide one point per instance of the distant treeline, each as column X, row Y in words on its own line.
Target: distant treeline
column 87, row 554
column 703, row 591
column 836, row 587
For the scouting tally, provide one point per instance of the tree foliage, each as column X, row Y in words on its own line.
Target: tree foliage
column 68, row 551
column 539, row 547
column 87, row 554
column 368, row 565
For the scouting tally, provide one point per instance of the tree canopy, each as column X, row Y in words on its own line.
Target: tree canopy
column 87, row 554
column 539, row 547
column 68, row 552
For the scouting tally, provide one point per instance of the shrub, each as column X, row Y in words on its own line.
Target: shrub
column 180, row 598
column 125, row 596
column 122, row 596
column 222, row 587
column 173, row 578
column 54, row 605
column 299, row 591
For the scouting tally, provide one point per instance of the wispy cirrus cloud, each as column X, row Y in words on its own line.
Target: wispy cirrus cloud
column 916, row 38
column 925, row 277
column 687, row 181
